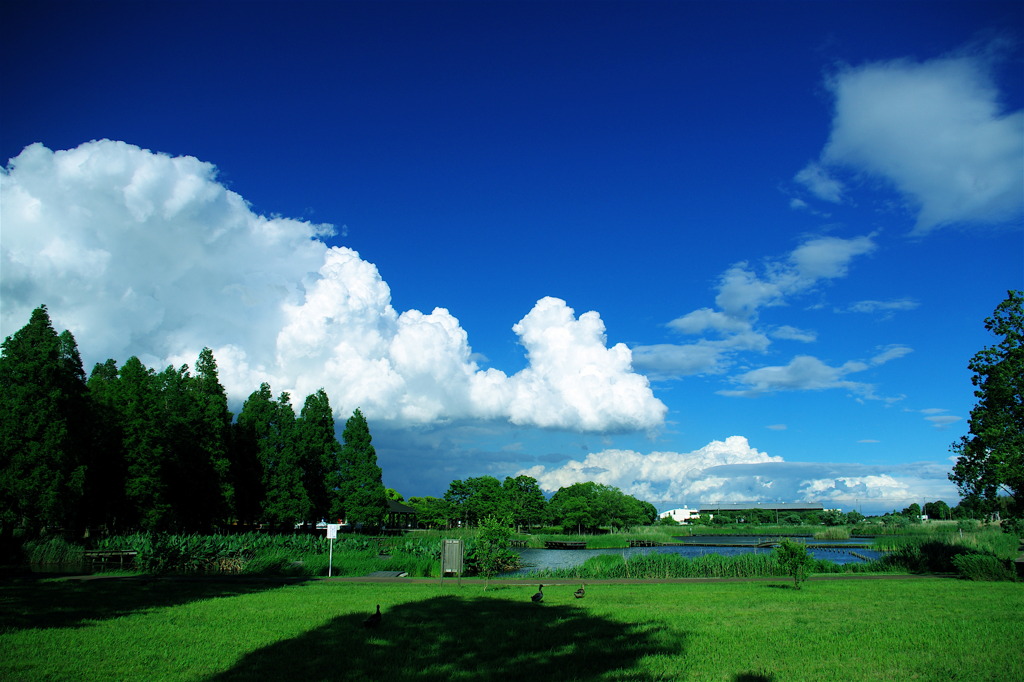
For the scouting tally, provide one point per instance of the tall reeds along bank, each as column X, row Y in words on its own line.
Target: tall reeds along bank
column 289, row 555
column 934, row 556
column 657, row 565
column 53, row 550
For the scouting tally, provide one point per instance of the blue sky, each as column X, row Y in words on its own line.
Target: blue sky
column 703, row 251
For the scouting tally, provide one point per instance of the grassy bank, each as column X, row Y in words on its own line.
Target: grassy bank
column 231, row 630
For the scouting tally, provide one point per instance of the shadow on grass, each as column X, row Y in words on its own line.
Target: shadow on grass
column 452, row 638
column 36, row 603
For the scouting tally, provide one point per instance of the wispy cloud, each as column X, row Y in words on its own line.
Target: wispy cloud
column 882, row 306
column 807, row 373
column 742, row 292
column 820, row 183
column 936, row 417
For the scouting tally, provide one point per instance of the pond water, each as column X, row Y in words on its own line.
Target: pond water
column 755, row 539
column 537, row 559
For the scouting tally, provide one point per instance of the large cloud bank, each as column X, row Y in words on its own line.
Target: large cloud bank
column 731, row 471
column 936, row 130
column 139, row 253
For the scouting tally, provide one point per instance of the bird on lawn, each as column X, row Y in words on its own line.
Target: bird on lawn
column 374, row 619
column 539, row 597
column 580, row 592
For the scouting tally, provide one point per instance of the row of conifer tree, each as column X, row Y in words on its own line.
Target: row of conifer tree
column 132, row 448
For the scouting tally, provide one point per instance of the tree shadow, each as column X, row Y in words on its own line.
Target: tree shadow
column 451, row 638
column 754, row 677
column 36, row 603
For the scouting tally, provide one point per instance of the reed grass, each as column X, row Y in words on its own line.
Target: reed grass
column 53, row 549
column 833, row 533
column 290, row 555
column 667, row 566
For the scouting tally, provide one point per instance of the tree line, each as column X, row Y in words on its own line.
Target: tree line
column 131, row 448
column 578, row 508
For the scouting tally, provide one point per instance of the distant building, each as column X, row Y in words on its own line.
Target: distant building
column 680, row 515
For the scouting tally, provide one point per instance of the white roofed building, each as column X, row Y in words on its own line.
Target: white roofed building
column 680, row 515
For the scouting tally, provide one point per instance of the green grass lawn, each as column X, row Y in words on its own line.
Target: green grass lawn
column 854, row 629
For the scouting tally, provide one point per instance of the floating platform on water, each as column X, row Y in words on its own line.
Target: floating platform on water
column 562, row 544
column 645, row 543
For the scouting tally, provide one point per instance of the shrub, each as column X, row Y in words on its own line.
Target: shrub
column 492, row 553
column 795, row 560
column 984, row 567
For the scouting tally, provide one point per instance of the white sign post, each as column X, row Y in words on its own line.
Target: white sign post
column 332, row 532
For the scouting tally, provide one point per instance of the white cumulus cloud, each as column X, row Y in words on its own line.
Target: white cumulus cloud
column 141, row 253
column 731, row 471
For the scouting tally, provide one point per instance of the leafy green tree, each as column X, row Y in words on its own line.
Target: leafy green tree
column 486, row 498
column 854, row 517
column 937, row 510
column 990, row 458
column 432, row 512
column 43, row 420
column 912, row 512
column 573, row 514
column 591, row 505
column 361, row 490
column 833, row 517
column 476, row 498
column 393, row 495
column 524, row 499
column 795, row 560
column 455, row 497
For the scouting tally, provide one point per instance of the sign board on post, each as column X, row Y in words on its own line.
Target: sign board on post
column 332, row 533
column 451, row 558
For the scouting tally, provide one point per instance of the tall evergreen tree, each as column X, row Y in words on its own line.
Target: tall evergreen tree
column 253, row 427
column 146, row 459
column 43, row 414
column 270, row 425
column 104, row 503
column 319, row 455
column 197, row 431
column 194, row 431
column 362, row 488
